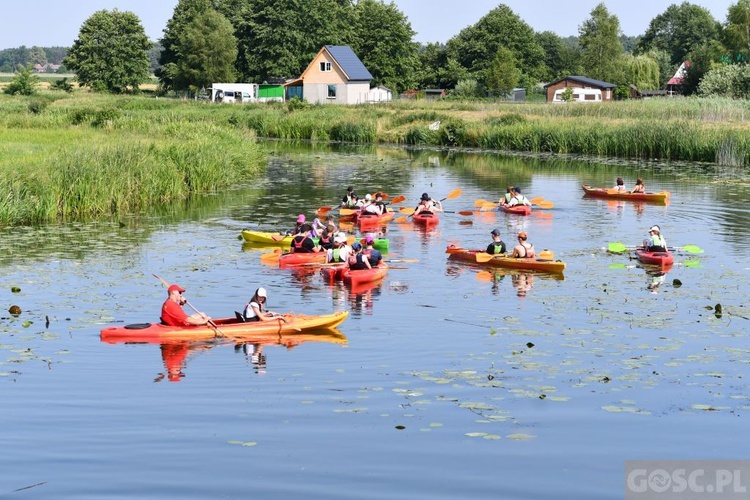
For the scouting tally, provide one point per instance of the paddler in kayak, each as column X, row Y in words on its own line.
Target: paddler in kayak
column 358, row 260
column 298, row 225
column 505, row 200
column 639, row 187
column 518, row 198
column 376, row 206
column 497, row 247
column 427, row 205
column 524, row 248
column 326, row 237
column 255, row 310
column 350, row 198
column 340, row 251
column 172, row 313
column 302, row 243
column 655, row 241
column 619, row 185
column 373, row 256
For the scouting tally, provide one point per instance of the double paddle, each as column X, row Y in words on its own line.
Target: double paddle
column 210, row 321
column 410, row 211
column 620, row 248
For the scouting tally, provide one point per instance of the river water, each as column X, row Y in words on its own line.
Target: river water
column 453, row 382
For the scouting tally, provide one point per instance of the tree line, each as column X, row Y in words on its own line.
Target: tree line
column 262, row 40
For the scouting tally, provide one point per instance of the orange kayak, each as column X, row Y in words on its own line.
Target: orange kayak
column 229, row 328
column 660, row 197
column 428, row 219
column 300, row 258
column 362, row 276
column 532, row 264
column 516, row 209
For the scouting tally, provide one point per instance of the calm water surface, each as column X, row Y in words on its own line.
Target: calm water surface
column 454, row 382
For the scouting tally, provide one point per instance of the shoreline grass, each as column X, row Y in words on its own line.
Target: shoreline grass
column 81, row 155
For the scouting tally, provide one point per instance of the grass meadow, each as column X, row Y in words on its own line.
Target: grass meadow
column 81, row 155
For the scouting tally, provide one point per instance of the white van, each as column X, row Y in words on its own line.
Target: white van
column 234, row 92
column 580, row 95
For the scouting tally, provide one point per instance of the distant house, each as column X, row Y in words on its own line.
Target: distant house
column 584, row 89
column 379, row 94
column 336, row 76
column 434, row 94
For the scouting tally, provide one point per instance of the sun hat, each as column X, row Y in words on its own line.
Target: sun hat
column 368, row 197
column 655, row 229
column 301, row 218
column 262, row 292
column 356, row 246
column 172, row 288
column 522, row 234
column 425, row 197
column 339, row 238
column 495, row 232
column 369, row 238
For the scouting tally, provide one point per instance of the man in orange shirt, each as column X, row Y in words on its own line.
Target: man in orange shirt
column 172, row 313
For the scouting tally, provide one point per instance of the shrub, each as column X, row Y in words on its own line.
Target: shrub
column 62, row 84
column 23, row 83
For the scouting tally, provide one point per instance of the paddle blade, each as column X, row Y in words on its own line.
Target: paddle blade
column 277, row 237
column 270, row 258
column 617, row 248
column 467, row 213
column 485, row 276
column 480, row 203
column 537, row 200
column 544, row 204
column 345, row 212
column 453, row 249
column 323, row 210
column 692, row 249
column 406, row 211
column 483, row 257
column 400, row 220
column 408, row 261
column 398, row 199
column 453, row 194
column 163, row 282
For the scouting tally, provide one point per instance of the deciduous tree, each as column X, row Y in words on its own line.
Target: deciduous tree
column 502, row 75
column 601, row 50
column 111, row 52
column 24, row 83
column 678, row 29
column 738, row 30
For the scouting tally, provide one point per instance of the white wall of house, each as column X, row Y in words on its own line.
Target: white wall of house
column 345, row 93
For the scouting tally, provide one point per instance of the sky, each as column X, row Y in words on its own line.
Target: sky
column 56, row 23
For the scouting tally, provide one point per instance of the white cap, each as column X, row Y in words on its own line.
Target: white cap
column 368, row 197
column 339, row 238
column 262, row 292
column 655, row 229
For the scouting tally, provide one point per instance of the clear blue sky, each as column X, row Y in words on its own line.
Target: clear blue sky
column 57, row 22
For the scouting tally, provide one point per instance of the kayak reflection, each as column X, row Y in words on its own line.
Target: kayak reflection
column 177, row 353
column 656, row 276
column 522, row 281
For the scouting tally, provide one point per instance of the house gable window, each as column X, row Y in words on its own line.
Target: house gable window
column 331, row 92
column 325, row 66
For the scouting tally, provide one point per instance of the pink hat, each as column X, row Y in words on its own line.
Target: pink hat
column 369, row 239
column 301, row 218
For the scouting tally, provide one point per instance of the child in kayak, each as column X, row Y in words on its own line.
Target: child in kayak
column 518, row 198
column 302, row 243
column 655, row 241
column 505, row 200
column 374, row 256
column 340, row 251
column 255, row 310
column 357, row 260
column 497, row 246
column 619, row 186
column 349, row 200
column 427, row 205
column 524, row 248
column 639, row 187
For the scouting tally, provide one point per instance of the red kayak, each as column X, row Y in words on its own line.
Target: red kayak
column 516, row 209
column 363, row 276
column 368, row 220
column 333, row 273
column 426, row 219
column 654, row 258
column 300, row 258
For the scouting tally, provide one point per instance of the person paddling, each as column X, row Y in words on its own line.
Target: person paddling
column 619, row 185
column 518, row 198
column 349, row 199
column 302, row 243
column 497, row 247
column 340, row 251
column 524, row 248
column 357, row 260
column 172, row 313
column 374, row 256
column 655, row 242
column 427, row 205
column 505, row 200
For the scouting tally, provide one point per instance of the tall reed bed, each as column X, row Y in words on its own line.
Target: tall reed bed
column 92, row 157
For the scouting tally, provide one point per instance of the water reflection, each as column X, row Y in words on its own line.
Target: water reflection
column 359, row 299
column 656, row 276
column 176, row 354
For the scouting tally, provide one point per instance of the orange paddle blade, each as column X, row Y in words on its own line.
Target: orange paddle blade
column 406, row 211
column 323, row 210
column 453, row 194
column 484, row 276
column 271, row 258
column 483, row 257
column 480, row 203
column 398, row 199
column 277, row 237
column 347, row 211
column 544, row 204
column 400, row 220
column 466, row 212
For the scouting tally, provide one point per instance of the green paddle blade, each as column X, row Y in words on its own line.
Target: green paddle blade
column 617, row 248
column 618, row 266
column 693, row 263
column 692, row 249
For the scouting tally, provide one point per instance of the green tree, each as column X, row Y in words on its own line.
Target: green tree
column 110, row 52
column 206, row 53
column 475, row 47
column 184, row 12
column 728, row 80
column 467, row 89
column 642, row 71
column 561, row 58
column 601, row 50
column 666, row 68
column 37, row 55
column 279, row 38
column 502, row 75
column 384, row 44
column 678, row 29
column 738, row 30
column 437, row 69
column 24, row 82
column 703, row 59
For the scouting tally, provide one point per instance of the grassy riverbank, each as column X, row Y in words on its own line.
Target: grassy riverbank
column 86, row 155
column 81, row 156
